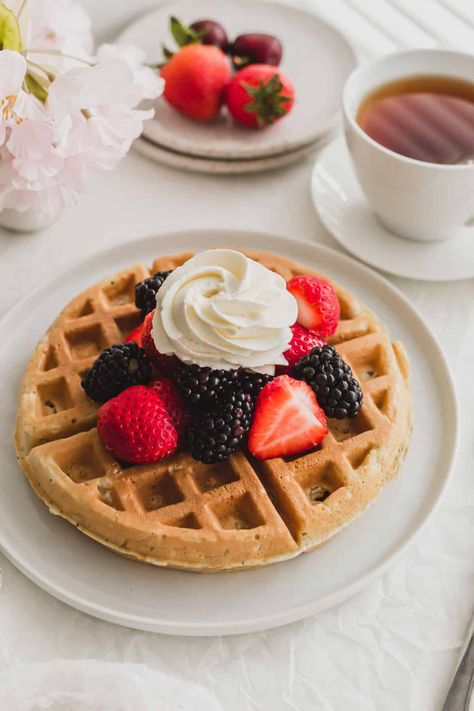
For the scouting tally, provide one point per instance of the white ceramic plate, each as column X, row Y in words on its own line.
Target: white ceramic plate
column 316, row 58
column 346, row 213
column 221, row 167
column 91, row 578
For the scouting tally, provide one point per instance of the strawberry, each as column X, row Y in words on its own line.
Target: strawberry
column 196, row 77
column 165, row 363
column 301, row 343
column 318, row 305
column 287, row 420
column 259, row 95
column 135, row 335
column 173, row 402
column 136, row 427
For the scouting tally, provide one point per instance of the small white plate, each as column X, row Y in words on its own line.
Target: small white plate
column 315, row 56
column 346, row 213
column 86, row 575
column 183, row 161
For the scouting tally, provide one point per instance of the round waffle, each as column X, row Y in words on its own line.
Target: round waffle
column 181, row 513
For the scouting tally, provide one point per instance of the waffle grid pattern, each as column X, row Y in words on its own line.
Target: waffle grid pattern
column 182, row 513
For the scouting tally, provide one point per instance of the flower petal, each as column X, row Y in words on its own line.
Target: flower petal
column 12, row 72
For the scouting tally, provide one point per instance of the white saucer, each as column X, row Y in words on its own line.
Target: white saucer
column 86, row 575
column 316, row 57
column 345, row 212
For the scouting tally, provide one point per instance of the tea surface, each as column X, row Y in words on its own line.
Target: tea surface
column 429, row 118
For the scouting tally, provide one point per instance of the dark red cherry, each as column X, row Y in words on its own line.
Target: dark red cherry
column 256, row 48
column 211, row 32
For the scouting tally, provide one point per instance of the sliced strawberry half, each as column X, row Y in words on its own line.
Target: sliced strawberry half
column 287, row 420
column 318, row 305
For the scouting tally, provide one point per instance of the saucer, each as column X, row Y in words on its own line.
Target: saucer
column 344, row 211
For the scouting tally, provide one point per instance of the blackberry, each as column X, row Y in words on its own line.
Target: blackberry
column 213, row 435
column 116, row 369
column 146, row 291
column 331, row 378
column 204, row 386
column 252, row 382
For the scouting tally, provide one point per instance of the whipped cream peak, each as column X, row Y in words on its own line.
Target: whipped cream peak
column 221, row 309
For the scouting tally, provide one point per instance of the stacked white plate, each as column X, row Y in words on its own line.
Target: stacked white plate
column 316, row 57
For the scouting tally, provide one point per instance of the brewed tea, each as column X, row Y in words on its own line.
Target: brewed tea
column 429, row 118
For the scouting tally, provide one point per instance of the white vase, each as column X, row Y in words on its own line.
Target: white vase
column 28, row 221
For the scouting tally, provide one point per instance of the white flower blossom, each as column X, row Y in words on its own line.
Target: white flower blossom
column 84, row 119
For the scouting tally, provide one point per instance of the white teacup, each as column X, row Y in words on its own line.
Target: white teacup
column 418, row 200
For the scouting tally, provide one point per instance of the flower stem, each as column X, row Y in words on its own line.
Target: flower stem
column 49, row 75
column 22, row 7
column 56, row 53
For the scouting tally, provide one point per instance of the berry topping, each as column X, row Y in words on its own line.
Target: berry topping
column 196, row 77
column 136, row 427
column 251, row 382
column 203, row 386
column 146, row 291
column 116, row 369
column 301, row 343
column 331, row 378
column 165, row 363
column 217, row 433
column 173, row 402
column 318, row 305
column 259, row 95
column 256, row 48
column 287, row 420
column 135, row 335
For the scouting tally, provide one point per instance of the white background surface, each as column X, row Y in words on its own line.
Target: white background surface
column 393, row 647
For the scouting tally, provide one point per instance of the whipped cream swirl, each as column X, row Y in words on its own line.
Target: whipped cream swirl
column 223, row 310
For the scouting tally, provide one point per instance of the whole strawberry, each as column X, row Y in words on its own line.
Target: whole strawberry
column 196, row 77
column 136, row 426
column 318, row 305
column 173, row 402
column 259, row 95
column 165, row 363
column 301, row 343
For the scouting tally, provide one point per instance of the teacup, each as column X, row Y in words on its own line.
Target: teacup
column 413, row 198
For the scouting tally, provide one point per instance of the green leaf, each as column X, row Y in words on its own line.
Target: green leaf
column 10, row 36
column 182, row 35
column 35, row 87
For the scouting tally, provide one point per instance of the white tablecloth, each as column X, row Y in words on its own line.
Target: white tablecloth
column 394, row 646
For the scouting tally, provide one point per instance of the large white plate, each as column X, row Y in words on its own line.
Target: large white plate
column 316, row 58
column 91, row 578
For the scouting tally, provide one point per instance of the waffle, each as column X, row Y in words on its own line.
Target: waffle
column 180, row 513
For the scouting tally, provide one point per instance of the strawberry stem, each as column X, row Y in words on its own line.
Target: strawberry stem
column 267, row 101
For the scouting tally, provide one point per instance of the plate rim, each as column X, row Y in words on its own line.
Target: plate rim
column 283, row 245
column 268, row 153
column 366, row 259
column 208, row 166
